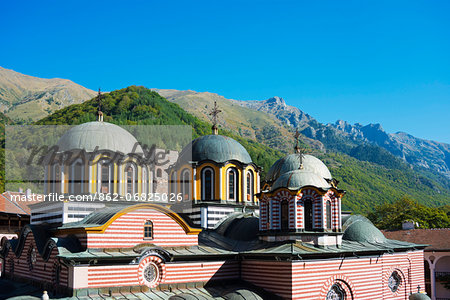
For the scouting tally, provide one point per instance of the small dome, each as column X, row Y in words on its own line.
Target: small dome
column 239, row 226
column 217, row 148
column 297, row 179
column 292, row 162
column 419, row 296
column 105, row 136
column 359, row 229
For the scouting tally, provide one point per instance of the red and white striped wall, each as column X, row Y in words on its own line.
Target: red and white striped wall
column 128, row 231
column 361, row 278
column 270, row 209
column 41, row 270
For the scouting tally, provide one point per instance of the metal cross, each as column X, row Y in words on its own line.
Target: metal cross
column 99, row 98
column 214, row 113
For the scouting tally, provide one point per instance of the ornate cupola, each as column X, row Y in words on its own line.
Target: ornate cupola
column 215, row 176
column 301, row 201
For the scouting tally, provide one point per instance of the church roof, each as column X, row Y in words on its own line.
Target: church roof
column 98, row 135
column 217, row 148
column 297, row 179
column 292, row 162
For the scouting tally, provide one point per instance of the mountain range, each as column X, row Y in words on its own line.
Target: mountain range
column 272, row 122
column 372, row 165
column 27, row 98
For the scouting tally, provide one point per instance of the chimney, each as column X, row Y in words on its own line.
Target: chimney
column 20, row 190
column 28, row 193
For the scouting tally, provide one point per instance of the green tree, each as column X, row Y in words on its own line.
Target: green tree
column 392, row 215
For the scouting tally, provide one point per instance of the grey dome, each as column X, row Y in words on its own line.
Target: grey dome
column 105, row 136
column 292, row 162
column 217, row 148
column 360, row 229
column 419, row 296
column 297, row 179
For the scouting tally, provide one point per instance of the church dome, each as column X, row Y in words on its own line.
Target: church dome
column 292, row 162
column 105, row 136
column 419, row 296
column 359, row 229
column 297, row 179
column 217, row 148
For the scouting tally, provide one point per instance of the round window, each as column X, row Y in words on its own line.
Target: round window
column 151, row 273
column 394, row 281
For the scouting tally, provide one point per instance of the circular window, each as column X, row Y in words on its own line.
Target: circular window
column 394, row 281
column 151, row 273
column 32, row 258
column 336, row 293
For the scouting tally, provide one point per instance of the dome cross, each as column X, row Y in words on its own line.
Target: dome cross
column 99, row 112
column 214, row 113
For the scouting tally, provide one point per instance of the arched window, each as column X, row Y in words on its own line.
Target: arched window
column 250, row 188
column 56, row 185
column 185, row 184
column 173, row 182
column 131, row 179
column 268, row 214
column 232, row 186
column 284, row 215
column 308, row 210
column 336, row 292
column 76, row 178
column 328, row 210
column 148, row 230
column 207, row 184
column 158, row 173
column 105, row 177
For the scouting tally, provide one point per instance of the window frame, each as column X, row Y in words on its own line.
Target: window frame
column 203, row 184
column 148, row 224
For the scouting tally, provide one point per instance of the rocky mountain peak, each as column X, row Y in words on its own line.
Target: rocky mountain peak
column 276, row 101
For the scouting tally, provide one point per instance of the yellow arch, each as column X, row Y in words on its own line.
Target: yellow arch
column 101, row 229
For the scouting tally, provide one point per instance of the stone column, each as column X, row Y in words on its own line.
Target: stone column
column 433, row 280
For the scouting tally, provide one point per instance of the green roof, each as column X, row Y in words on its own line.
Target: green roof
column 217, row 148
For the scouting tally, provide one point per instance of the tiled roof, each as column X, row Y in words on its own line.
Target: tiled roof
column 438, row 239
column 9, row 205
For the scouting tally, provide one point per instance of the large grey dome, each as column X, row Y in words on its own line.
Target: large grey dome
column 292, row 162
column 297, row 179
column 105, row 136
column 217, row 148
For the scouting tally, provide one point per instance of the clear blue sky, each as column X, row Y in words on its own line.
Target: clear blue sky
column 378, row 61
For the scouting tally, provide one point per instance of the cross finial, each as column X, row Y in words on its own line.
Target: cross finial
column 99, row 112
column 297, row 148
column 215, row 111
